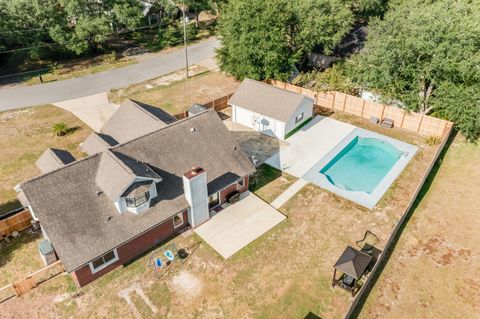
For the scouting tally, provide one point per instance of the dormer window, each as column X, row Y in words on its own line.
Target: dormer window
column 137, row 201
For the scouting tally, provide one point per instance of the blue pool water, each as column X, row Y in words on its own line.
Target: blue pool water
column 362, row 164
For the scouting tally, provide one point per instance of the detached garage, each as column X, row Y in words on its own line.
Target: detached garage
column 268, row 109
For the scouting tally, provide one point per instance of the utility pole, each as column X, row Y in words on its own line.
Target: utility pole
column 184, row 8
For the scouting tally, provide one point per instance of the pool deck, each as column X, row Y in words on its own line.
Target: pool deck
column 316, row 144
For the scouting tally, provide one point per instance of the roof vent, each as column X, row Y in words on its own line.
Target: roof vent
column 193, row 129
column 109, row 217
column 98, row 192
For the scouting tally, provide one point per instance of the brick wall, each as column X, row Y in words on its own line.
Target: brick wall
column 226, row 191
column 132, row 249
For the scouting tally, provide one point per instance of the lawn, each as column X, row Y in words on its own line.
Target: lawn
column 268, row 183
column 434, row 270
column 174, row 94
column 286, row 273
column 26, row 133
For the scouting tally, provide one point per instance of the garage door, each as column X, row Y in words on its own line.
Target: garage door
column 245, row 117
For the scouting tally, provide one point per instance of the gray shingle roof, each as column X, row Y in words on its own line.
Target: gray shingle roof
column 267, row 100
column 83, row 224
column 134, row 119
column 97, row 142
column 353, row 262
column 195, row 109
column 53, row 159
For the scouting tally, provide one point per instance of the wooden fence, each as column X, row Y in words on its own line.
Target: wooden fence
column 364, row 291
column 17, row 222
column 217, row 104
column 23, row 286
column 422, row 124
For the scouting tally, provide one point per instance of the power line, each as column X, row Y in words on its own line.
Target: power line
column 87, row 38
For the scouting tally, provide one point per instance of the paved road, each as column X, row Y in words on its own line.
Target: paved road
column 22, row 96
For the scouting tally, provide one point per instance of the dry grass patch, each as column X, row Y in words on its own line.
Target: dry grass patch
column 177, row 96
column 434, row 270
column 26, row 133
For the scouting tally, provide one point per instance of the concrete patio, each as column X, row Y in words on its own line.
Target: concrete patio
column 239, row 224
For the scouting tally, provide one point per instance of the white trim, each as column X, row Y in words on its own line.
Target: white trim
column 95, row 270
column 173, row 220
column 238, row 184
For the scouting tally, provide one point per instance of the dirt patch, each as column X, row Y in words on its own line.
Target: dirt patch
column 187, row 284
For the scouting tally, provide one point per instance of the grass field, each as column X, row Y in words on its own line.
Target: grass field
column 434, row 271
column 26, row 133
column 177, row 96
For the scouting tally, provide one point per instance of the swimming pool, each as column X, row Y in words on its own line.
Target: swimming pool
column 362, row 164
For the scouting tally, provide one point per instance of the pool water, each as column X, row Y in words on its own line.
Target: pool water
column 362, row 164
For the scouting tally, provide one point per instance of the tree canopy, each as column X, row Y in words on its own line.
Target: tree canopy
column 427, row 55
column 263, row 39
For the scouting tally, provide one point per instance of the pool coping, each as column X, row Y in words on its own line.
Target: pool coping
column 369, row 201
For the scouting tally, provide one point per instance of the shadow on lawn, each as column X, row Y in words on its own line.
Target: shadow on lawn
column 7, row 249
column 388, row 252
column 265, row 174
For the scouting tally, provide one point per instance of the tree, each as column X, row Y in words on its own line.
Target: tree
column 422, row 51
column 263, row 39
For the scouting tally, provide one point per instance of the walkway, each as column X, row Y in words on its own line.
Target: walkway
column 288, row 193
column 23, row 96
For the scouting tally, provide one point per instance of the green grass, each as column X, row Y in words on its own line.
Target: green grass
column 298, row 128
column 268, row 182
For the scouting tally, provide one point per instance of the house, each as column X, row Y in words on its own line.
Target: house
column 133, row 119
column 195, row 109
column 102, row 211
column 268, row 109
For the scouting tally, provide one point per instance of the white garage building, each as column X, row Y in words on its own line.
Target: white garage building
column 268, row 109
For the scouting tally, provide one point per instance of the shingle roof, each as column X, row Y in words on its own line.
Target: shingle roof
column 353, row 262
column 134, row 119
column 267, row 100
column 82, row 223
column 113, row 176
column 53, row 159
column 196, row 108
column 97, row 142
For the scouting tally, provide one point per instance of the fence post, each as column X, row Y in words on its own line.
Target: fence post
column 363, row 107
column 383, row 112
column 420, row 123
column 403, row 118
column 344, row 102
column 333, row 101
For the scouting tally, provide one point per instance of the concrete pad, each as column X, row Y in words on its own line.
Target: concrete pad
column 289, row 193
column 309, row 145
column 93, row 110
column 239, row 224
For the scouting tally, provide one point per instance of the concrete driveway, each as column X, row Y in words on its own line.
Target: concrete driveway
column 239, row 224
column 94, row 110
column 311, row 143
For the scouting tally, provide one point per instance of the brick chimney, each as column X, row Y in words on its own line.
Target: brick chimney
column 196, row 193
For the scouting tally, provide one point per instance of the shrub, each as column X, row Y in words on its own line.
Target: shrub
column 60, row 129
column 109, row 57
column 169, row 36
column 433, row 140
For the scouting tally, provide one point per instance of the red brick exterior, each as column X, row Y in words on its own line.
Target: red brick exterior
column 132, row 249
column 229, row 189
column 147, row 240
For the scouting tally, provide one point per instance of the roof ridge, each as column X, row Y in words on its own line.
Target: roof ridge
column 138, row 106
column 60, row 168
column 119, row 161
column 162, row 128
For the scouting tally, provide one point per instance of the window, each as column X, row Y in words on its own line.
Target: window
column 178, row 220
column 213, row 200
column 299, row 118
column 137, row 200
column 240, row 183
column 104, row 261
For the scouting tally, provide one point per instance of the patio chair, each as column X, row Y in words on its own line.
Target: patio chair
column 386, row 122
column 368, row 242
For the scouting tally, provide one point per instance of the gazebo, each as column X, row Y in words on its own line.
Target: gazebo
column 353, row 264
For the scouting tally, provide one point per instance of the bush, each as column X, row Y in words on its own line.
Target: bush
column 109, row 58
column 433, row 140
column 60, row 129
column 169, row 36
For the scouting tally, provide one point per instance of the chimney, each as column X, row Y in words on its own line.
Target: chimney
column 195, row 187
